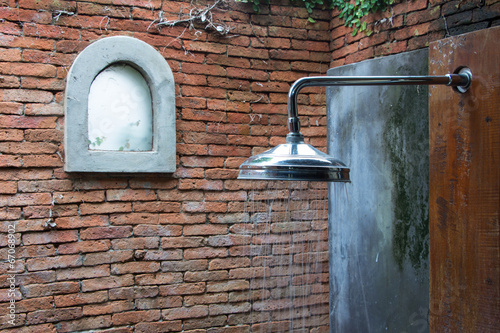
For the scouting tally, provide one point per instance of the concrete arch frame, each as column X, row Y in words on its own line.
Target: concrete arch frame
column 157, row 73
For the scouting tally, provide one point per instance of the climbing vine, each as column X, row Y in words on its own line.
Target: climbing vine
column 351, row 11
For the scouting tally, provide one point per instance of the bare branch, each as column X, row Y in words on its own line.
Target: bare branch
column 197, row 15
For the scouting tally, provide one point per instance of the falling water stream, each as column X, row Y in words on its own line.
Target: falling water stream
column 288, row 225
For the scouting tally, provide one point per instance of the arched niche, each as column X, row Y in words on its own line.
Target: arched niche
column 120, row 109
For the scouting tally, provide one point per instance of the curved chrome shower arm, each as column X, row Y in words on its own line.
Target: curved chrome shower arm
column 462, row 81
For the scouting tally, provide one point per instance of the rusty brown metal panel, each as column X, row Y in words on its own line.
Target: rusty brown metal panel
column 464, row 194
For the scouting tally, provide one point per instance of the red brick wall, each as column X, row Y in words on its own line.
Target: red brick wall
column 410, row 25
column 151, row 253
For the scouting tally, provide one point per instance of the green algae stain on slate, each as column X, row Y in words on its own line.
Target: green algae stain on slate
column 407, row 145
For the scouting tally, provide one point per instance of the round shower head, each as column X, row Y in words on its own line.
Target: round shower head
column 294, row 161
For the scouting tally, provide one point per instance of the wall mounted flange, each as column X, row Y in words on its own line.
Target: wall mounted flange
column 463, row 71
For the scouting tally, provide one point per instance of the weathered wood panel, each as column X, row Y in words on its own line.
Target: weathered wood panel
column 464, row 199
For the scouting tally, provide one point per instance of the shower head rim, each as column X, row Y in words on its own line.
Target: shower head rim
column 294, row 161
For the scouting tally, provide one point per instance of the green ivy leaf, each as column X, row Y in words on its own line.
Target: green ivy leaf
column 351, row 13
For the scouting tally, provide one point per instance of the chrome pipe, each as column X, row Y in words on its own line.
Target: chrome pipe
column 462, row 81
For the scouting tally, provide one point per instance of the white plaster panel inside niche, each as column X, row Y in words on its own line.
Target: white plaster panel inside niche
column 120, row 109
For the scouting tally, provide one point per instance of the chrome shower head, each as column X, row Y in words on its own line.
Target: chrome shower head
column 294, row 160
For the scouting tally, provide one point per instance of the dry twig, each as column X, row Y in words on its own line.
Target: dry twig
column 196, row 15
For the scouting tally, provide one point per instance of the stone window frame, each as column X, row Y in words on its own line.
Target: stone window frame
column 89, row 63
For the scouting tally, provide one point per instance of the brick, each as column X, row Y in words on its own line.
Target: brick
column 191, row 102
column 246, row 52
column 190, row 79
column 157, row 230
column 390, row 48
column 97, row 9
column 36, row 278
column 228, row 240
column 39, row 161
column 83, row 272
column 204, row 138
column 222, row 174
column 44, row 185
column 72, row 222
column 233, row 329
column 135, row 267
column 194, row 114
column 227, row 263
column 108, row 282
column 158, row 255
column 8, row 187
column 156, row 207
column 12, row 55
column 205, row 299
column 205, row 253
column 28, row 305
column 106, row 232
column 228, row 106
column 357, row 57
column 210, row 162
column 49, row 289
column 181, row 242
column 270, row 86
column 200, row 184
column 25, row 95
column 209, row 92
column 10, row 82
column 93, row 323
column 198, row 324
column 53, row 315
column 205, row 276
column 242, row 73
column 287, row 32
column 250, row 250
column 182, row 289
column 216, row 287
column 107, row 308
column 224, row 60
column 84, row 247
column 196, row 311
column 159, row 278
column 27, row 42
column 35, row 135
column 133, row 317
column 50, row 237
column 134, row 218
column 48, row 31
column 214, row 70
column 98, row 258
column 199, row 46
column 80, row 298
column 229, row 218
column 105, row 208
column 204, row 207
column 166, row 326
column 27, row 122
column 33, row 4
column 133, row 292
column 41, row 264
column 158, row 302
column 255, row 272
column 135, row 243
column 27, row 69
column 35, row 251
column 218, row 309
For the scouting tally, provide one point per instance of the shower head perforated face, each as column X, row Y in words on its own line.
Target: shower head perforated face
column 294, row 161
